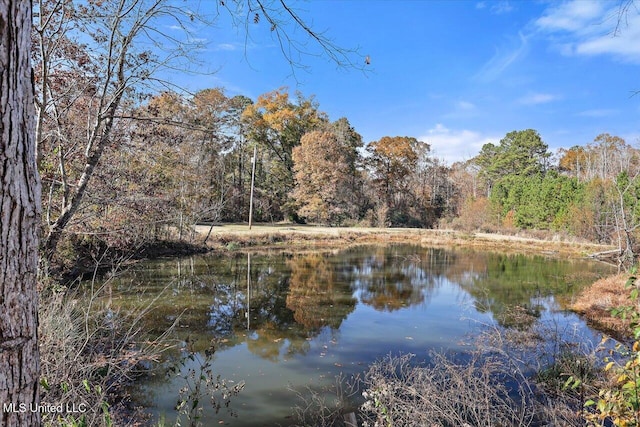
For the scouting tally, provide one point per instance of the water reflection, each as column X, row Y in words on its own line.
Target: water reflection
column 289, row 319
column 391, row 278
column 291, row 298
column 319, row 295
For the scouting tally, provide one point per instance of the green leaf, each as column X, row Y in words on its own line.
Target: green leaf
column 568, row 382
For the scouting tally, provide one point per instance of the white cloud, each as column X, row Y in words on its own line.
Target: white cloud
column 590, row 28
column 501, row 7
column 625, row 45
column 574, row 15
column 598, row 113
column 537, row 98
column 502, row 59
column 465, row 105
column 497, row 7
column 453, row 145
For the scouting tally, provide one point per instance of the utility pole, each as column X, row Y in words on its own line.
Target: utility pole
column 253, row 178
column 248, row 291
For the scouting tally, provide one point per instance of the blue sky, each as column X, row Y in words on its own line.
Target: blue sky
column 456, row 74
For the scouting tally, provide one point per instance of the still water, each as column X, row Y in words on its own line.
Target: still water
column 285, row 322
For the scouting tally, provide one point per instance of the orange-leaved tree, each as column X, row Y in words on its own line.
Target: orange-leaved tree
column 322, row 176
column 392, row 162
column 277, row 123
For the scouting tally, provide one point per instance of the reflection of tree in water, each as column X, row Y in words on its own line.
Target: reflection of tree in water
column 273, row 329
column 316, row 296
column 272, row 343
column 511, row 287
column 293, row 298
column 396, row 277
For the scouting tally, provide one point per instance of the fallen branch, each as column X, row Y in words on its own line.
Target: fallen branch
column 606, row 254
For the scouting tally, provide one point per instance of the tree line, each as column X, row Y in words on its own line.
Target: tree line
column 174, row 160
column 125, row 162
column 589, row 191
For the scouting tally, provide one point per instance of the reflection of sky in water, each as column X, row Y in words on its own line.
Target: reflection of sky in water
column 312, row 317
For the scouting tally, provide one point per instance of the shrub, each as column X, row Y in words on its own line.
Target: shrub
column 620, row 403
column 474, row 392
column 88, row 352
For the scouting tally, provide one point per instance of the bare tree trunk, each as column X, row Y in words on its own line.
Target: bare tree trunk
column 19, row 221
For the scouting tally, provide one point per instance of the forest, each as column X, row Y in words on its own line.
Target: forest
column 126, row 159
column 144, row 171
column 123, row 162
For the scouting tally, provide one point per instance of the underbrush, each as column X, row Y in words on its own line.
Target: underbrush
column 542, row 375
column 514, row 377
column 89, row 352
column 81, row 257
column 475, row 392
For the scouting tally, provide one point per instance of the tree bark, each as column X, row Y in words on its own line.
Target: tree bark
column 19, row 221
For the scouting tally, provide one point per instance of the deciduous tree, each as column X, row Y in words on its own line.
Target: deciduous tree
column 90, row 59
column 94, row 59
column 392, row 161
column 322, row 175
column 278, row 124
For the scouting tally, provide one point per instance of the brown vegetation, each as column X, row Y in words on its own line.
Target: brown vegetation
column 596, row 302
column 299, row 237
column 89, row 352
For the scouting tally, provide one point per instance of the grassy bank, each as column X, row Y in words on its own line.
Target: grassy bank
column 596, row 302
column 305, row 237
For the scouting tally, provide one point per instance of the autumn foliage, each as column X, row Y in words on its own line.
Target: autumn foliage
column 124, row 160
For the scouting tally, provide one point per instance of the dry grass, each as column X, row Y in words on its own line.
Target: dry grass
column 472, row 393
column 303, row 237
column 596, row 302
column 89, row 352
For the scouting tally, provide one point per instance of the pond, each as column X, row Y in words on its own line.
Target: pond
column 285, row 322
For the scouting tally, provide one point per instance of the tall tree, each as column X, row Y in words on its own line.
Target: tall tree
column 19, row 220
column 392, row 162
column 278, row 123
column 519, row 153
column 94, row 58
column 91, row 58
column 322, row 175
column 626, row 211
column 351, row 143
column 573, row 160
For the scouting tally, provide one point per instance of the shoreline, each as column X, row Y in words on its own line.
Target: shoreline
column 307, row 238
column 593, row 304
